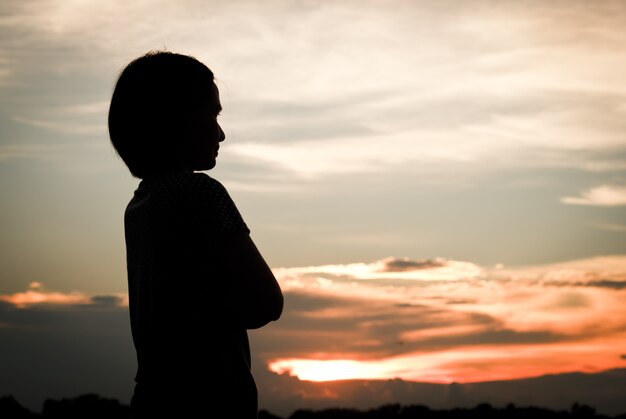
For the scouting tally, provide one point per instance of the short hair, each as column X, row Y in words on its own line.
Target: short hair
column 153, row 96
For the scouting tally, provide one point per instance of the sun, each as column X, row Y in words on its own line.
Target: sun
column 328, row 370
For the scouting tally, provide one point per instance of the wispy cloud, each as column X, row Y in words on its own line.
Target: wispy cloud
column 601, row 196
column 370, row 103
column 78, row 119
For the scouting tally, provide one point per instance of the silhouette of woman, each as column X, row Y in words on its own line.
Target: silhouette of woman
column 196, row 280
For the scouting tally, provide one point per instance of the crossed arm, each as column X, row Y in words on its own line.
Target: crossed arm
column 257, row 298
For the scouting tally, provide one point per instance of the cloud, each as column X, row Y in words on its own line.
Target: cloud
column 448, row 321
column 82, row 119
column 403, row 265
column 616, row 285
column 510, row 105
column 30, row 297
column 109, row 300
column 37, row 295
column 391, row 268
column 396, row 330
column 601, row 196
column 389, row 90
column 370, row 103
column 431, row 320
column 488, row 363
column 65, row 126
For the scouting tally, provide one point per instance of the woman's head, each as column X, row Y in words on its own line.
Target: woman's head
column 162, row 116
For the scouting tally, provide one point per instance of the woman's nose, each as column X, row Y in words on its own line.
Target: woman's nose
column 221, row 136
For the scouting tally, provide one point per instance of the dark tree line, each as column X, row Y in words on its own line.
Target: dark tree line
column 88, row 406
column 482, row 411
column 92, row 406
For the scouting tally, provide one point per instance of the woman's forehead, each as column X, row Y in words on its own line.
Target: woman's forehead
column 216, row 96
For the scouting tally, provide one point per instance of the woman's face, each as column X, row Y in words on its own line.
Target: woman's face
column 204, row 135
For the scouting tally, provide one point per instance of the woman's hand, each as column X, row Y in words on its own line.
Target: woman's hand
column 256, row 296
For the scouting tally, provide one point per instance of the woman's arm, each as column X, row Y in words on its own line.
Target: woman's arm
column 257, row 298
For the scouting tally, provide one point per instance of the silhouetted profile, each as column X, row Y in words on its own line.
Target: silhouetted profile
column 196, row 280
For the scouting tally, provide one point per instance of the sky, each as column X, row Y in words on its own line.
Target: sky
column 438, row 185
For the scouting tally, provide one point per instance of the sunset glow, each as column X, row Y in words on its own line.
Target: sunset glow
column 329, row 370
column 463, row 365
column 495, row 324
column 437, row 321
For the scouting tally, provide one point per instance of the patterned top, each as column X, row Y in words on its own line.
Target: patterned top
column 176, row 286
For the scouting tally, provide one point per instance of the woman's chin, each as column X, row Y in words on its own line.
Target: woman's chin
column 206, row 165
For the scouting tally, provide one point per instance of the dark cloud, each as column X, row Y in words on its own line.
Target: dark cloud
column 600, row 283
column 493, row 337
column 63, row 351
column 456, row 301
column 107, row 300
column 605, row 283
column 313, row 324
column 403, row 265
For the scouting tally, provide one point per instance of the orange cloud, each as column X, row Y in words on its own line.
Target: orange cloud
column 463, row 364
column 444, row 321
column 30, row 297
column 36, row 294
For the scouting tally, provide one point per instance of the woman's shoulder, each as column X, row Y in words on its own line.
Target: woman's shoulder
column 202, row 180
column 204, row 187
column 183, row 182
column 211, row 198
column 195, row 197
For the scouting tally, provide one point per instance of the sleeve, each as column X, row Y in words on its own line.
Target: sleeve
column 216, row 204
